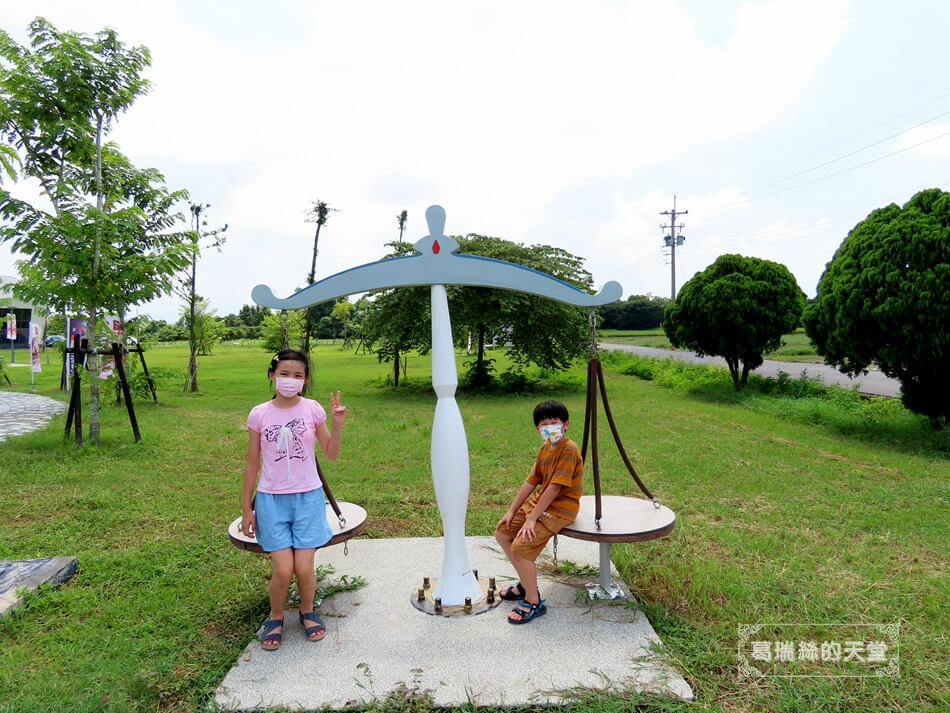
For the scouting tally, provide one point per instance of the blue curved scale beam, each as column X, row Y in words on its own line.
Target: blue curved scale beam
column 437, row 264
column 414, row 270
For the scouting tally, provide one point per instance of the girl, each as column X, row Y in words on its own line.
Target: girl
column 289, row 516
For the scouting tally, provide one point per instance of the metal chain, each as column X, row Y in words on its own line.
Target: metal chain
column 592, row 324
column 555, row 550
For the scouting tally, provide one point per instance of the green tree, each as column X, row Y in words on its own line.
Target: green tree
column 201, row 237
column 885, row 298
column 401, row 221
column 318, row 213
column 252, row 315
column 165, row 332
column 535, row 329
column 55, row 323
column 391, row 326
column 204, row 328
column 636, row 312
column 737, row 308
column 112, row 238
column 343, row 312
column 397, row 322
column 272, row 330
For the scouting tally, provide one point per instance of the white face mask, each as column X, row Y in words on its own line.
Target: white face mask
column 288, row 387
column 552, row 432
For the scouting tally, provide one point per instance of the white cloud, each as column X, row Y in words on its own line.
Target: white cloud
column 494, row 110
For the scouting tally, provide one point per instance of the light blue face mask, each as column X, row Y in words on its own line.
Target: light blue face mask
column 552, row 432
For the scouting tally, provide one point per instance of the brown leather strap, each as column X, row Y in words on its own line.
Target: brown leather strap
column 326, row 491
column 590, row 375
column 613, row 428
column 595, row 378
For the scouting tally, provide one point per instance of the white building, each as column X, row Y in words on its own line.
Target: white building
column 23, row 311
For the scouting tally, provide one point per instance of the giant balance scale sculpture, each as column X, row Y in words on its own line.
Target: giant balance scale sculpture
column 603, row 519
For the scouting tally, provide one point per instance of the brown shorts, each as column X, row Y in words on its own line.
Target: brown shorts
column 544, row 530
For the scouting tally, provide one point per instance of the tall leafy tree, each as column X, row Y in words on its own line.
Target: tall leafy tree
column 390, row 349
column 106, row 234
column 204, row 327
column 319, row 213
column 535, row 329
column 252, row 315
column 885, row 298
column 398, row 321
column 280, row 329
column 737, row 308
column 201, row 237
column 401, row 221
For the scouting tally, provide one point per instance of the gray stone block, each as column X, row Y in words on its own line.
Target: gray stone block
column 20, row 576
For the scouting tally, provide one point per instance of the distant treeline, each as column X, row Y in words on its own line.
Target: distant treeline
column 636, row 312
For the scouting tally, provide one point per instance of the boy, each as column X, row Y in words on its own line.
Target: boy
column 531, row 521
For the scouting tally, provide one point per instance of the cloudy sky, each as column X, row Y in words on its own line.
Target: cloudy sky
column 777, row 124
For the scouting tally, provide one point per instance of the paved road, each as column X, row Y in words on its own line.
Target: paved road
column 22, row 413
column 873, row 383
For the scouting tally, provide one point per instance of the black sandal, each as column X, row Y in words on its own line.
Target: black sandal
column 513, row 596
column 528, row 612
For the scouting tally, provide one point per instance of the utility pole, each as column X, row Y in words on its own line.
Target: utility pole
column 671, row 241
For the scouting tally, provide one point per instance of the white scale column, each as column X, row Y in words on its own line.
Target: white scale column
column 449, row 455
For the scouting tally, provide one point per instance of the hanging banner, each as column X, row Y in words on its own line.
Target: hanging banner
column 115, row 324
column 11, row 327
column 73, row 327
column 35, row 347
column 108, row 364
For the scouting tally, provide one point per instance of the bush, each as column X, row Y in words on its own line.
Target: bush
column 806, row 399
column 516, row 382
column 163, row 377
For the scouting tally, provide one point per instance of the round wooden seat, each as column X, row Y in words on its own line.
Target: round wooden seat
column 354, row 515
column 623, row 519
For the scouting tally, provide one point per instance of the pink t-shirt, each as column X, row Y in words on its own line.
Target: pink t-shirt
column 288, row 442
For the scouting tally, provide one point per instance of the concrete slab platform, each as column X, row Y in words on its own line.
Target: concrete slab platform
column 378, row 644
column 19, row 576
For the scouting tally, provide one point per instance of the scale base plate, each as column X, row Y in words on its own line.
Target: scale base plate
column 427, row 604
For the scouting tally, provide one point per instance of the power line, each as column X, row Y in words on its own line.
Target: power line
column 836, row 221
column 836, row 173
column 847, row 155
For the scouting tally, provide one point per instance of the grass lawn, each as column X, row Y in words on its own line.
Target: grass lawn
column 796, row 347
column 779, row 521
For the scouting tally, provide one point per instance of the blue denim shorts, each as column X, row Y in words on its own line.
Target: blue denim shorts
column 297, row 520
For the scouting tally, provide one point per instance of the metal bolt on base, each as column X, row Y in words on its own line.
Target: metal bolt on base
column 595, row 590
column 423, row 600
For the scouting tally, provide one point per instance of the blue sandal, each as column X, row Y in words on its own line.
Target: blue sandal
column 266, row 635
column 527, row 611
column 318, row 628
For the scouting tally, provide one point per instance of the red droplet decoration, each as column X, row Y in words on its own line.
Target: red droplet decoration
column 435, row 247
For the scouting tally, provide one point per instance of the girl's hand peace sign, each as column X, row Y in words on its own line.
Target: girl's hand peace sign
column 337, row 410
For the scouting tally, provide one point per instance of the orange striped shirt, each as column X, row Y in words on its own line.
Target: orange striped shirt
column 561, row 465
